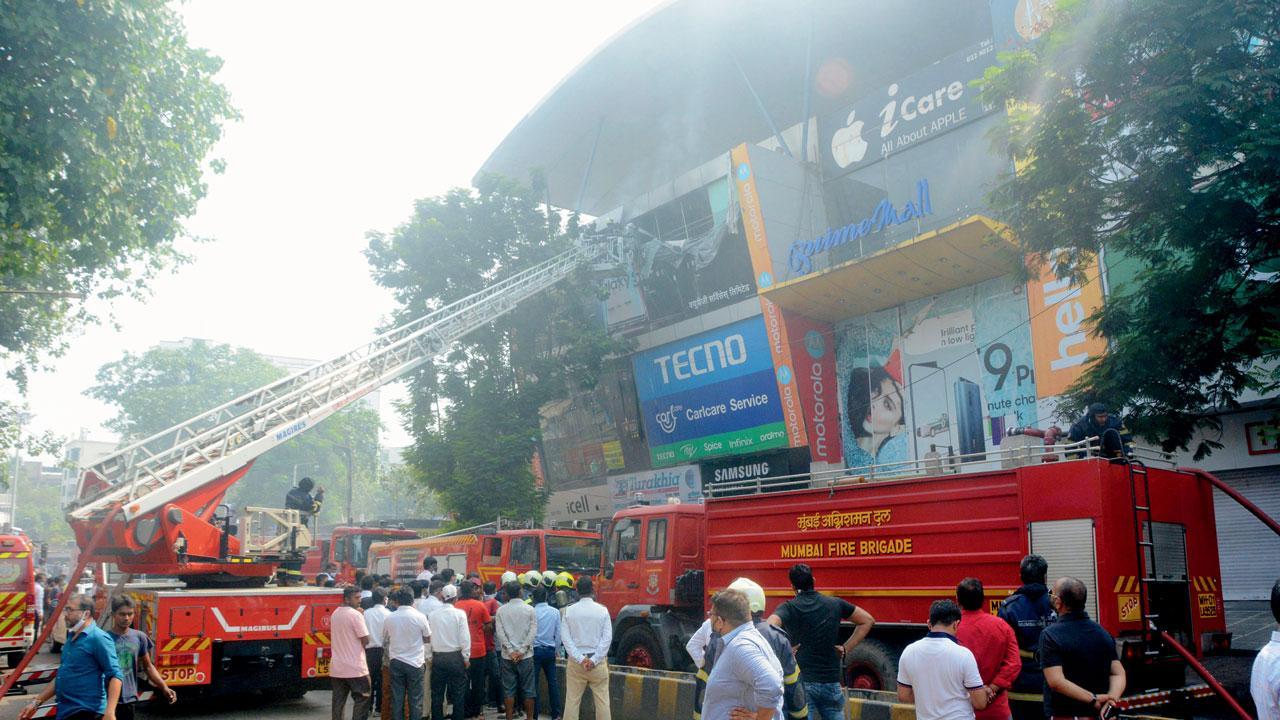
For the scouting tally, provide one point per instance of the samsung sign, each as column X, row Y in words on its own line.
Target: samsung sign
column 710, row 394
column 885, row 215
column 936, row 99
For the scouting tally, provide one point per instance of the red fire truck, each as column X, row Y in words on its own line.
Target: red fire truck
column 1142, row 539
column 347, row 547
column 211, row 642
column 490, row 550
column 17, row 595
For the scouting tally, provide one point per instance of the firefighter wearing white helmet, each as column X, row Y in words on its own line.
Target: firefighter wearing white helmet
column 507, row 577
column 549, row 579
column 710, row 645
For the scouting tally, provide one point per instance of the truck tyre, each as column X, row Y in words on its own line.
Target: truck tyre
column 639, row 648
column 872, row 665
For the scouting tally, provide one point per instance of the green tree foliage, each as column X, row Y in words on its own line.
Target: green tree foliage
column 1150, row 130
column 106, row 116
column 474, row 413
column 163, row 387
column 40, row 513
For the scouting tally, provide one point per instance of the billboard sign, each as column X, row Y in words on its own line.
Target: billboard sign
column 934, row 100
column 711, row 394
column 656, row 486
column 815, row 363
column 1063, row 344
column 589, row 503
column 940, row 376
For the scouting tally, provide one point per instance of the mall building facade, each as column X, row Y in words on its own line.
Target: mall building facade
column 820, row 283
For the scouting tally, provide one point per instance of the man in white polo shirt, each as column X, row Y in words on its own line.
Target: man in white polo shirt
column 938, row 674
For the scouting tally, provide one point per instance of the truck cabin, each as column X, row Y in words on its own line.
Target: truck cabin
column 521, row 550
column 650, row 548
column 348, row 549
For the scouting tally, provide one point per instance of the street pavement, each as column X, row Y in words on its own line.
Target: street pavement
column 314, row 704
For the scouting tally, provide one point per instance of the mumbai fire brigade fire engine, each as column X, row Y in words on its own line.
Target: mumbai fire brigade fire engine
column 1142, row 538
column 490, row 550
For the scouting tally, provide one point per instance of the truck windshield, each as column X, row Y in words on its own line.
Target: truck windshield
column 573, row 553
column 13, row 574
column 360, row 548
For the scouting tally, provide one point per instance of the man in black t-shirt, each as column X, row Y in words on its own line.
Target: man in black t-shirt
column 1082, row 673
column 813, row 622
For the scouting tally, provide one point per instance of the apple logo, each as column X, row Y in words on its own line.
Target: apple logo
column 847, row 145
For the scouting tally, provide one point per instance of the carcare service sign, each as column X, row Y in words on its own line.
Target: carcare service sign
column 711, row 394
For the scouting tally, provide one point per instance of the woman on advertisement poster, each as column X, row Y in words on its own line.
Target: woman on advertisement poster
column 877, row 414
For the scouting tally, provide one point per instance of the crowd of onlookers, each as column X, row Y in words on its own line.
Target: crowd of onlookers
column 443, row 646
column 1041, row 643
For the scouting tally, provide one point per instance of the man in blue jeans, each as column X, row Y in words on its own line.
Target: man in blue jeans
column 544, row 652
column 813, row 622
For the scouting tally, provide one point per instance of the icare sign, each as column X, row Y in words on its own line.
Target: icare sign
column 711, row 394
column 919, row 107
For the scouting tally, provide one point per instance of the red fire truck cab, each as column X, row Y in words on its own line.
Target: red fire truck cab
column 347, row 547
column 490, row 552
column 893, row 546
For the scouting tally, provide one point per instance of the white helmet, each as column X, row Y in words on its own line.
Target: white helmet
column 508, row 576
column 754, row 593
column 549, row 578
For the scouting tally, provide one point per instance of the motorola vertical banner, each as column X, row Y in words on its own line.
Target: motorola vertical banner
column 775, row 328
column 815, row 370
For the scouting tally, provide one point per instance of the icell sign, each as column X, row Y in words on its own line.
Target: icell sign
column 934, row 100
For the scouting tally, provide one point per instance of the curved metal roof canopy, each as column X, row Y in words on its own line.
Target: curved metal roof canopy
column 675, row 88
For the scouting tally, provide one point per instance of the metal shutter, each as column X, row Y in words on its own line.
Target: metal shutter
column 1248, row 550
column 1068, row 547
column 1171, row 551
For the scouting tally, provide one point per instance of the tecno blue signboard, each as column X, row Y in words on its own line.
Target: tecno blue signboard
column 710, row 394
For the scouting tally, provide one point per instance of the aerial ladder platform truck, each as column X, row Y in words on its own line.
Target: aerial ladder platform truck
column 227, row 619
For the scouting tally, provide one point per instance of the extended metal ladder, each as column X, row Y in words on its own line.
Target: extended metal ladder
column 161, row 468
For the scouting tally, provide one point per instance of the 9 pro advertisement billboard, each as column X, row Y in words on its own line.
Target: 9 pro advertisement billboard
column 710, row 394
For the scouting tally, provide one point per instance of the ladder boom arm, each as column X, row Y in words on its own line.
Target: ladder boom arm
column 150, row 473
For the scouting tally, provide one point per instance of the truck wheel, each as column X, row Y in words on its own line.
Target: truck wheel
column 872, row 666
column 12, row 659
column 638, row 648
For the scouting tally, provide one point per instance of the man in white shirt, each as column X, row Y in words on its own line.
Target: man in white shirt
column 939, row 675
column 427, row 602
column 450, row 656
column 429, row 599
column 404, row 636
column 374, row 618
column 429, row 565
column 515, row 628
column 1264, row 684
column 586, row 633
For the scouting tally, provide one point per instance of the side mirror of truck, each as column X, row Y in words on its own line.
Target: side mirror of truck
column 608, row 571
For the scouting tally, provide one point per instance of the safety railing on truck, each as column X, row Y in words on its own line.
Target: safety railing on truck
column 1000, row 459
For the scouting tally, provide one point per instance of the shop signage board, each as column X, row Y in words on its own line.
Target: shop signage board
column 906, row 112
column 710, row 394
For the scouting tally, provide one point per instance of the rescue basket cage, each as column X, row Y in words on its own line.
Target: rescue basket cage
column 1001, row 459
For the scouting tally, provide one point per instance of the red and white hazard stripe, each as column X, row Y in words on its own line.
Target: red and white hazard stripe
column 35, row 676
column 51, row 709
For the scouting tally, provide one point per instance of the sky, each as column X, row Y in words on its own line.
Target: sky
column 351, row 111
